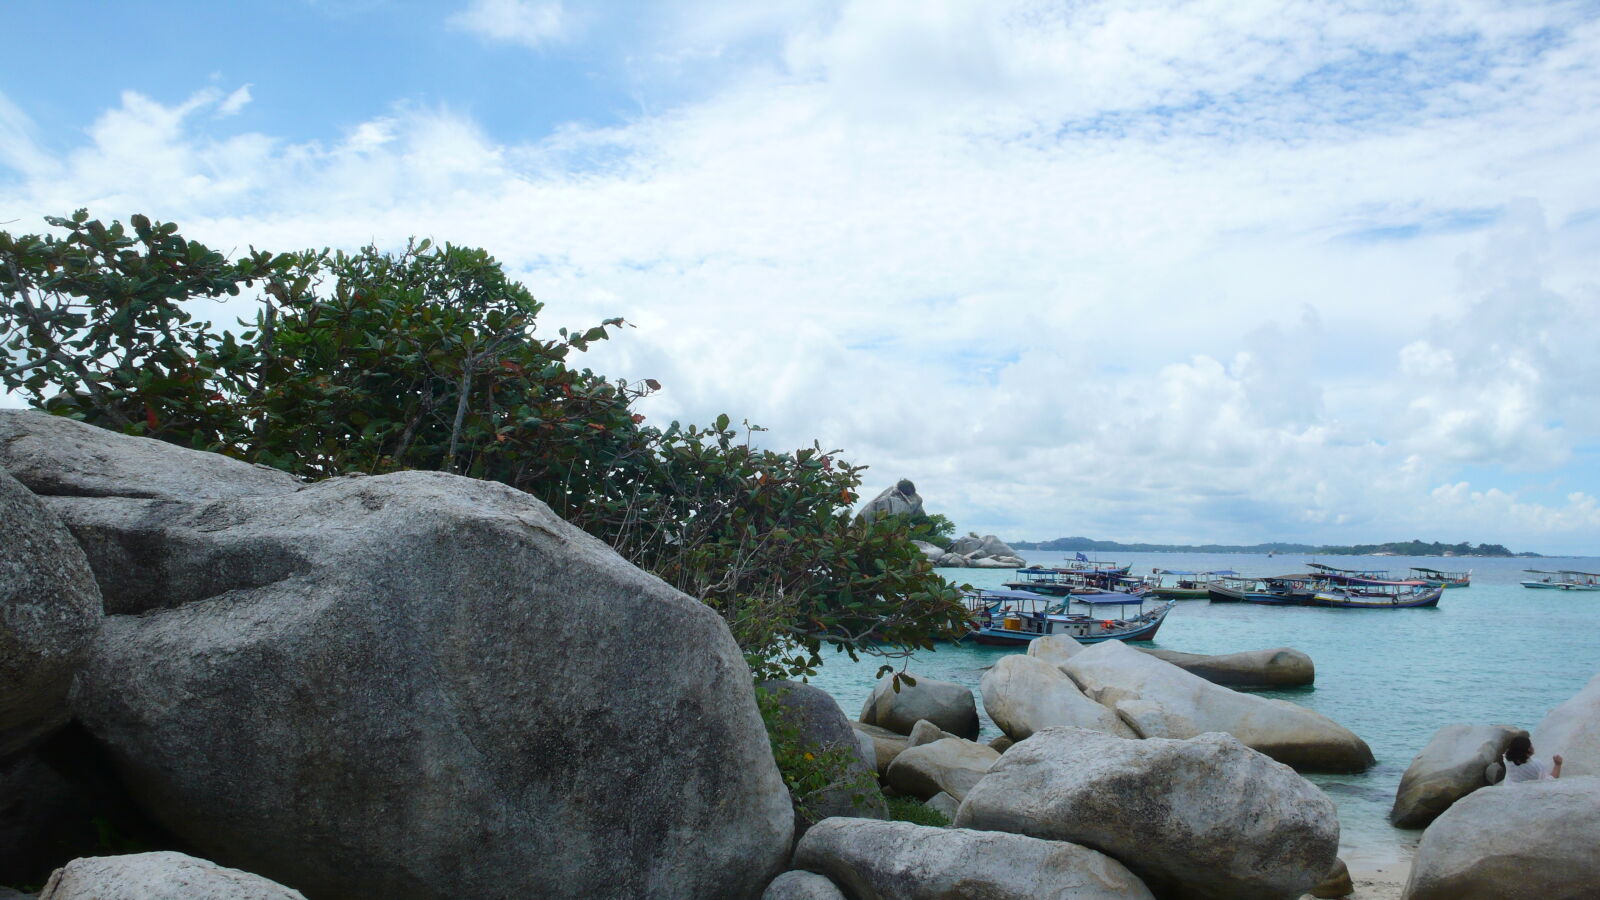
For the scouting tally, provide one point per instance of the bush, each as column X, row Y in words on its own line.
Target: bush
column 910, row 809
column 430, row 359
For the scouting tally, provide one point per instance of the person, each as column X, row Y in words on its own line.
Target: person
column 1522, row 766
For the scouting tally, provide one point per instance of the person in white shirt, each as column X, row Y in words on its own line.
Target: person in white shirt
column 1521, row 766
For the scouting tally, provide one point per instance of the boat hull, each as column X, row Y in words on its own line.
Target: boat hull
column 1428, row 598
column 1086, row 630
column 1560, row 586
column 1166, row 593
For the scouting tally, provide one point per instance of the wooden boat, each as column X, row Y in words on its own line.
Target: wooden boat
column 1011, row 618
column 1351, row 576
column 1071, row 580
column 1394, row 595
column 1284, row 590
column 1565, row 580
column 1436, row 578
column 1185, row 585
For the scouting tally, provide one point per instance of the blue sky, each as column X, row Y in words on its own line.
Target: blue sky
column 1200, row 271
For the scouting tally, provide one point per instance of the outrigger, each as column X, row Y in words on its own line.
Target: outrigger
column 1013, row 618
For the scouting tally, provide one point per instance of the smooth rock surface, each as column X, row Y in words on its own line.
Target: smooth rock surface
column 1205, row 817
column 1337, row 883
column 902, row 861
column 1025, row 694
column 1158, row 699
column 886, row 744
column 49, row 612
column 944, row 804
column 161, row 875
column 944, row 703
column 447, row 691
column 951, row 765
column 1573, row 731
column 823, row 727
column 925, row 732
column 900, row 499
column 1529, row 841
column 57, row 456
column 800, row 885
column 1054, row 649
column 931, row 551
column 1451, row 766
column 1279, row 667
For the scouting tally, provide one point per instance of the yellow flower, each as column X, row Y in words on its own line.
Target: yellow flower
column 809, row 756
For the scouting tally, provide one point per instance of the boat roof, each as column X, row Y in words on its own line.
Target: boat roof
column 1576, row 572
column 1434, row 571
column 1105, row 597
column 1187, row 573
column 1010, row 594
column 1327, row 568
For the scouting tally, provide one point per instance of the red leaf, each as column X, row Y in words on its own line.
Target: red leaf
column 150, row 418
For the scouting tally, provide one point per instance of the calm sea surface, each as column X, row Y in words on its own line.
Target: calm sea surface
column 1492, row 653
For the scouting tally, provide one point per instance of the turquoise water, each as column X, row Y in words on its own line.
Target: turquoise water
column 1492, row 653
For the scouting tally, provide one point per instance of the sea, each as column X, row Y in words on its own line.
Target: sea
column 1492, row 653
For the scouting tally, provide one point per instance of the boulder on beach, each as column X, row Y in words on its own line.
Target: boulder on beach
column 944, row 804
column 1054, row 649
column 822, row 728
column 1158, row 699
column 1279, row 667
column 421, row 685
column 951, row 766
column 950, row 561
column 1527, row 841
column 161, row 875
column 925, row 732
column 1573, row 731
column 1335, row 884
column 50, row 608
column 902, row 861
column 1451, row 766
column 57, row 456
column 1024, row 694
column 886, row 744
column 995, row 562
column 944, row 703
column 801, row 885
column 1206, row 817
column 900, row 500
column 931, row 551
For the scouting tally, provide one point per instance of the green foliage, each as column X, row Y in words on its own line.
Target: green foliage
column 935, row 528
column 910, row 809
column 429, row 359
column 811, row 770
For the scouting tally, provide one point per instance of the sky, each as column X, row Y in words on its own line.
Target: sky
column 1182, row 272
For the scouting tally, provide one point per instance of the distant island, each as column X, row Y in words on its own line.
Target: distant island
column 1393, row 548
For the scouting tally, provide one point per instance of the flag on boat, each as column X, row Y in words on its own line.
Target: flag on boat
column 1081, row 557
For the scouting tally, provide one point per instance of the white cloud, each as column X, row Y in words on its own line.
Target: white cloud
column 234, row 102
column 527, row 22
column 1191, row 272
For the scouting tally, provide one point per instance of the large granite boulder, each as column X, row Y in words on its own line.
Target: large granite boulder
column 950, row 561
column 1158, row 699
column 1279, row 667
column 1206, row 817
column 1529, row 841
column 1572, row 730
column 902, row 861
column 944, row 703
column 1451, row 766
column 57, row 456
column 1054, row 649
column 1025, row 694
column 951, row 766
column 421, row 685
column 801, row 885
column 900, row 500
column 925, row 732
column 931, row 551
column 823, row 729
column 886, row 744
column 49, row 612
column 162, row 875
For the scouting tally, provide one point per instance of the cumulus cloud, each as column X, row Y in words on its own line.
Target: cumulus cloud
column 1149, row 271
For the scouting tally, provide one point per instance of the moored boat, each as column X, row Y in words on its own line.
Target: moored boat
column 1565, row 580
column 1184, row 585
column 1283, row 590
column 1014, row 618
column 1394, row 595
column 1436, row 578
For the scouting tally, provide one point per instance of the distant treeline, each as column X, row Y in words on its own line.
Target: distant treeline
column 1397, row 548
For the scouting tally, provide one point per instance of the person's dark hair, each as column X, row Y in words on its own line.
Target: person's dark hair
column 1519, row 749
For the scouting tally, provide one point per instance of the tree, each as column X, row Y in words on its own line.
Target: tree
column 430, row 358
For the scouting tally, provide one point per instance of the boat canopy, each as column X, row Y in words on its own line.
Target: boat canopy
column 1109, row 597
column 1325, row 568
column 1576, row 572
column 1009, row 594
column 1183, row 573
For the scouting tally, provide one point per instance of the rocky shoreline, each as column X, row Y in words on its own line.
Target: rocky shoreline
column 420, row 685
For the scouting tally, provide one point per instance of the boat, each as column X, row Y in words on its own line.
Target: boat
column 1063, row 581
column 1011, row 618
column 1186, row 585
column 1393, row 595
column 1282, row 590
column 1352, row 576
column 1565, row 580
column 1436, row 578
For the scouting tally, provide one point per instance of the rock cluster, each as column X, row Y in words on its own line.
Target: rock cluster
column 974, row 552
column 899, row 706
column 412, row 685
column 1451, row 766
